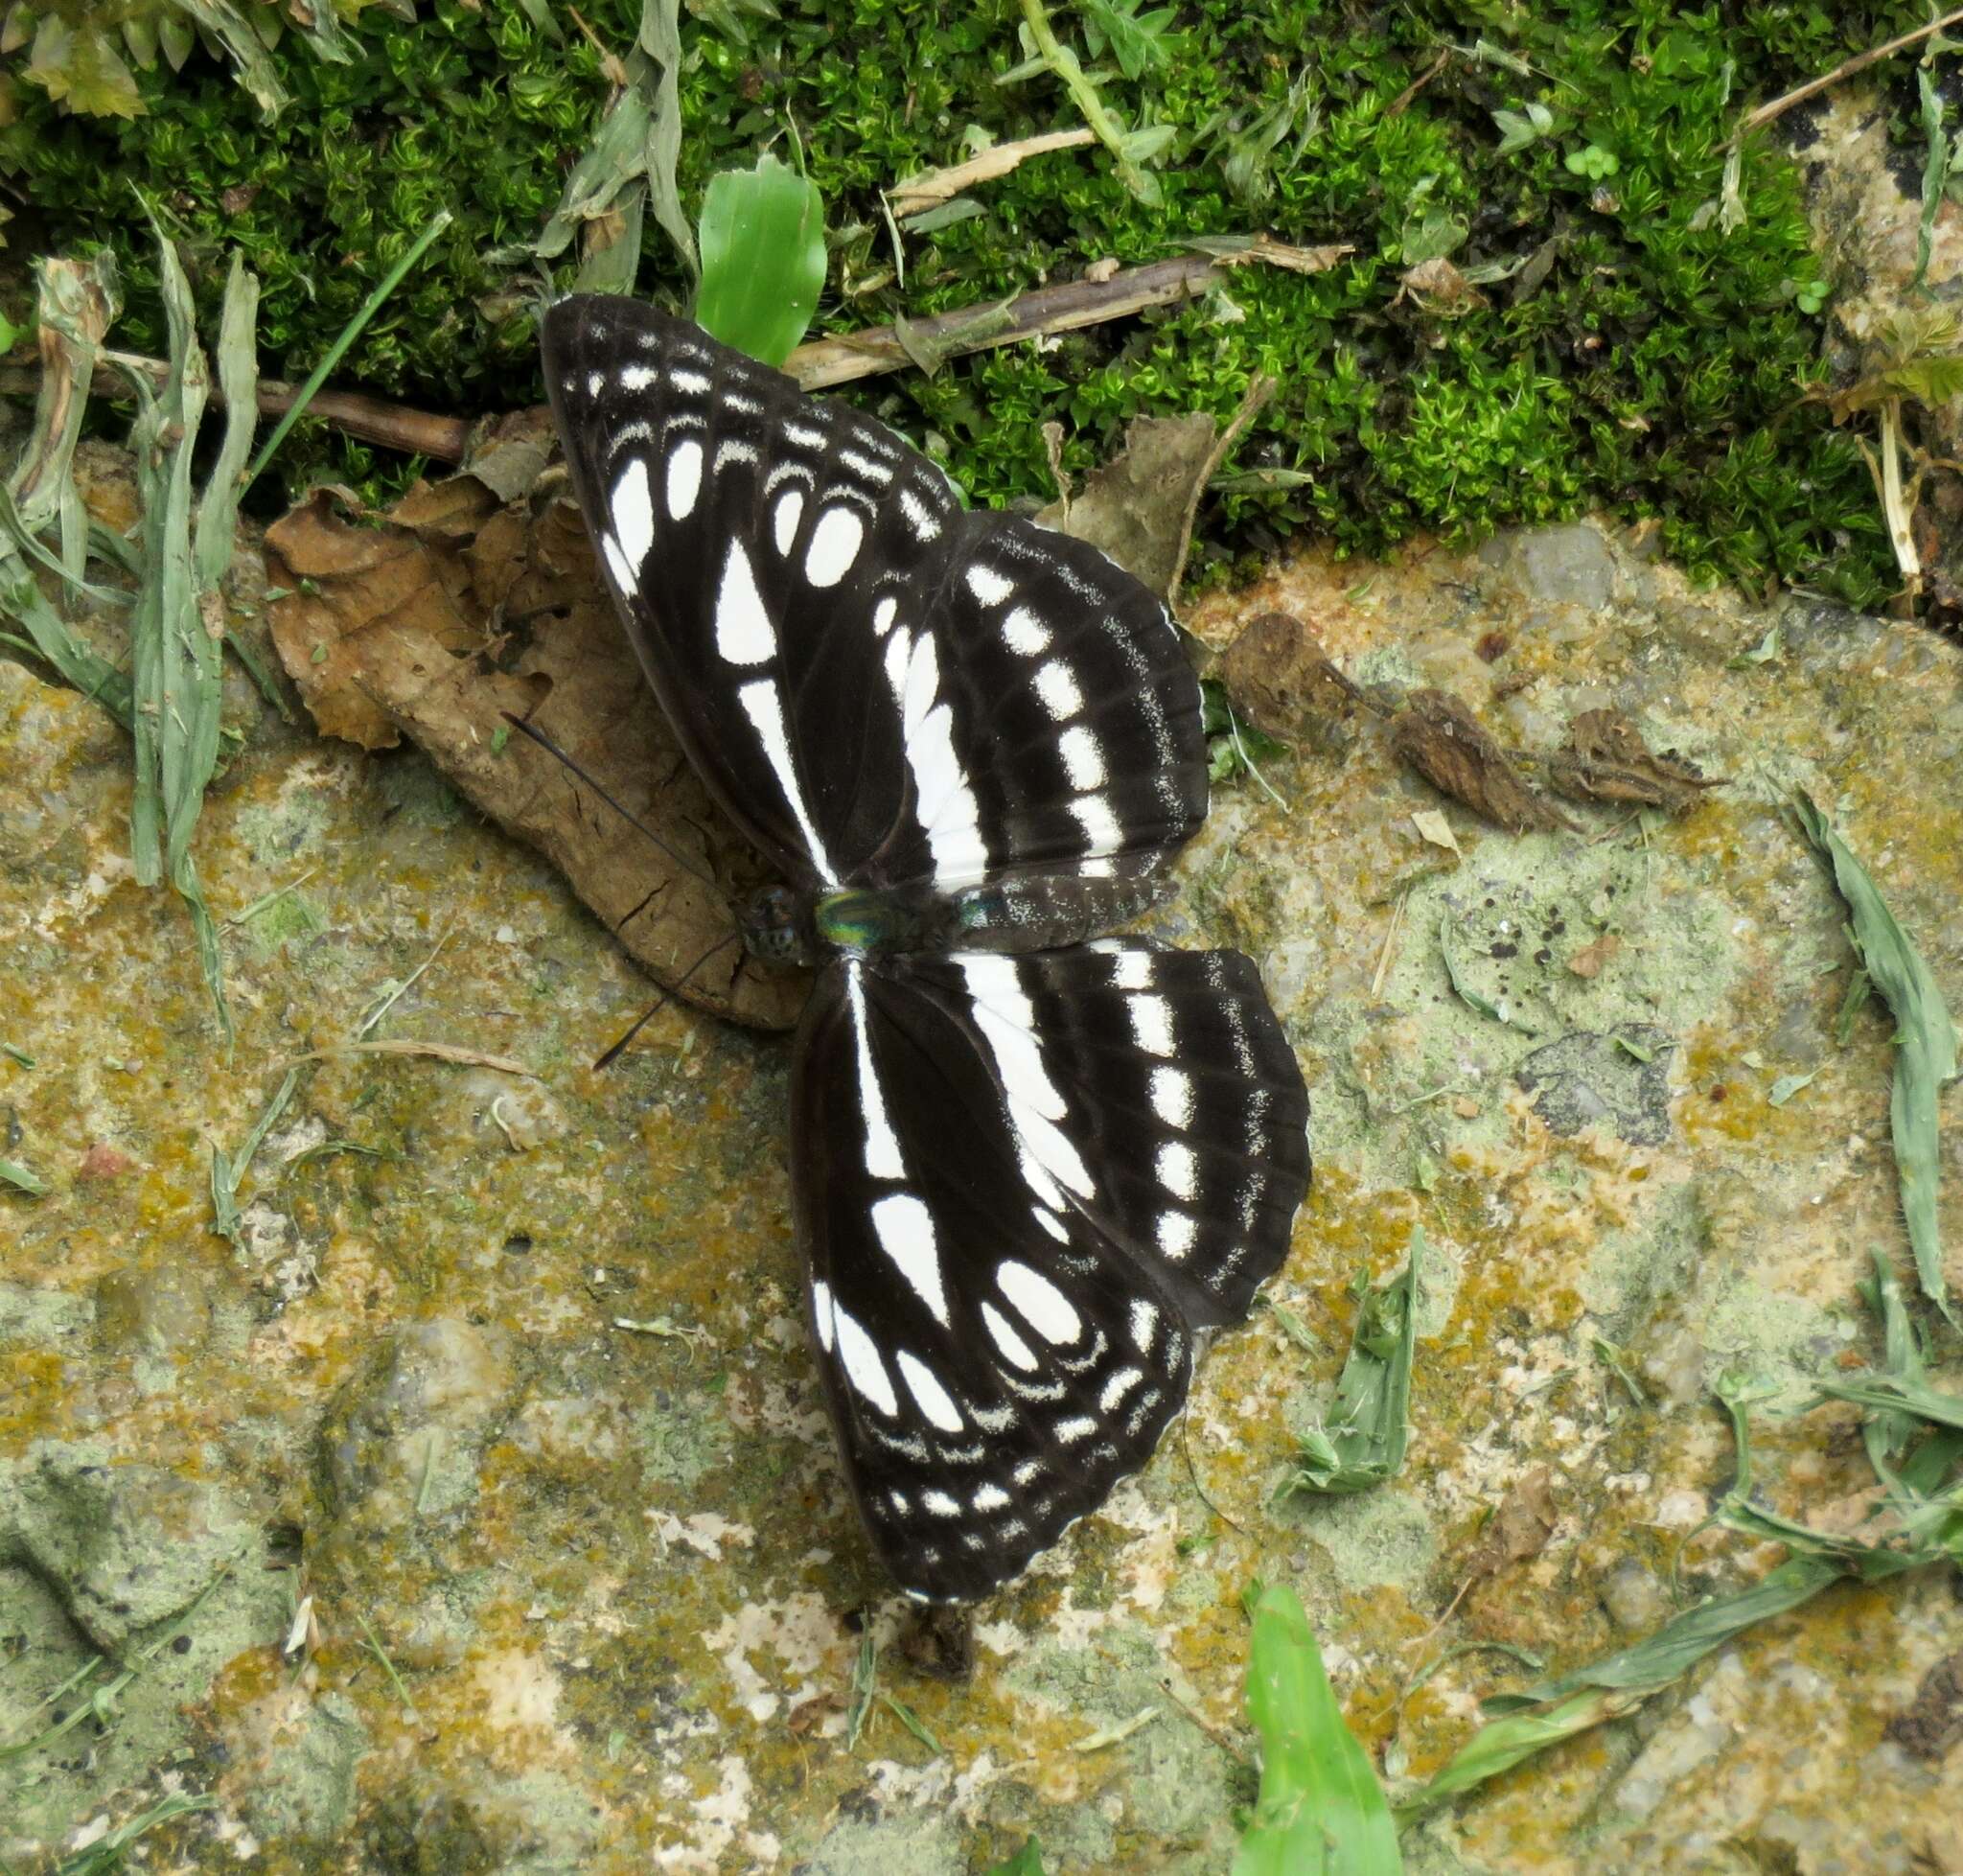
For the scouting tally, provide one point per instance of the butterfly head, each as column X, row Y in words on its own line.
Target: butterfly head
column 778, row 927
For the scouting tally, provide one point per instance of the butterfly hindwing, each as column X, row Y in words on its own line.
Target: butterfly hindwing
column 883, row 688
column 1016, row 1216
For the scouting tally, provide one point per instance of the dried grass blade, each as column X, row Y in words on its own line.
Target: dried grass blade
column 1926, row 1045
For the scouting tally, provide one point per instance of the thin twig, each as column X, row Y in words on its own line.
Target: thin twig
column 815, row 367
column 1846, row 69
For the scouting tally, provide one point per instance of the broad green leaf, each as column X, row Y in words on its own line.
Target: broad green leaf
column 1362, row 1442
column 1926, row 1045
column 13, row 1173
column 762, row 258
column 1321, row 1810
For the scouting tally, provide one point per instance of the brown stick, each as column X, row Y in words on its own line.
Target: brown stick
column 1076, row 303
column 394, row 426
column 1846, row 69
column 815, row 367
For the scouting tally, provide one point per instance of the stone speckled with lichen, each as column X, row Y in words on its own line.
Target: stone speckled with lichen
column 615, row 1570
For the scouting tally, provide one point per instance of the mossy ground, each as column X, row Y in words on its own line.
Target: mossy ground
column 1645, row 356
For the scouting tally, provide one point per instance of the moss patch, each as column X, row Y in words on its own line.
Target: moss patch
column 1625, row 348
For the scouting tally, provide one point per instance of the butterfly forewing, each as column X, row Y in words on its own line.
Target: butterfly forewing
column 1017, row 1218
column 883, row 688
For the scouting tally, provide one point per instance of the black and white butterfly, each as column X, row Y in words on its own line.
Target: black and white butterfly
column 1030, row 1166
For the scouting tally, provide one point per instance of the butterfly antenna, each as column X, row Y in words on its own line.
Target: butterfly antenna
column 558, row 755
column 661, row 1002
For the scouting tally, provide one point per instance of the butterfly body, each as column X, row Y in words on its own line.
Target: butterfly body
column 1031, row 1165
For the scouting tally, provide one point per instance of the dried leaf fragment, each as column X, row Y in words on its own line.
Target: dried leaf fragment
column 1446, row 744
column 1139, row 507
column 932, row 187
column 461, row 606
column 1605, row 759
column 1589, row 960
column 1283, row 680
column 1521, row 1527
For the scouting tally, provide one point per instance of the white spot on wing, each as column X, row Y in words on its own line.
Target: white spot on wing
column 743, row 633
column 1083, row 759
column 883, row 1159
column 834, row 546
column 637, row 377
column 766, row 713
column 1012, row 1346
column 944, row 799
column 1024, row 633
column 1144, row 1323
column 941, row 1504
column 1173, row 1096
column 1099, row 824
column 905, row 1229
column 1039, row 1303
column 1058, row 690
column 1175, row 1235
column 1178, row 1170
column 691, row 383
column 784, row 518
column 921, row 518
column 1151, row 1023
column 632, row 510
column 990, row 1497
column 1116, row 1388
column 925, row 1387
column 625, row 577
column 822, row 1313
column 1078, row 1428
column 988, row 586
column 859, row 1356
column 685, row 479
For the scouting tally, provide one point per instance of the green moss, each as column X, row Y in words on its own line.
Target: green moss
column 1652, row 361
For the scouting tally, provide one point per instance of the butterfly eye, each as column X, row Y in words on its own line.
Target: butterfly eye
column 777, row 927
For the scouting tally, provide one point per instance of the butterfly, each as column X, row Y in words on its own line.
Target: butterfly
column 1031, row 1166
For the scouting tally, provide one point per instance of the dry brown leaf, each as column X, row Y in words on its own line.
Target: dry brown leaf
column 1444, row 742
column 1439, row 287
column 1589, row 960
column 918, row 193
column 1139, row 507
column 1519, row 1529
column 1267, row 251
column 460, row 607
column 1605, row 759
column 1280, row 678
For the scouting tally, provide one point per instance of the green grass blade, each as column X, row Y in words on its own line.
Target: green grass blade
column 1503, row 1744
column 217, row 513
column 1887, row 1434
column 1926, row 1045
column 228, row 1169
column 17, row 1176
column 1897, row 1394
column 335, row 352
column 1321, row 1810
column 762, row 258
column 614, row 161
column 1362, row 1439
column 50, row 638
column 1682, row 1642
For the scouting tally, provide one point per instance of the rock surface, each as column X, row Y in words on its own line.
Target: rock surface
column 508, row 1377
